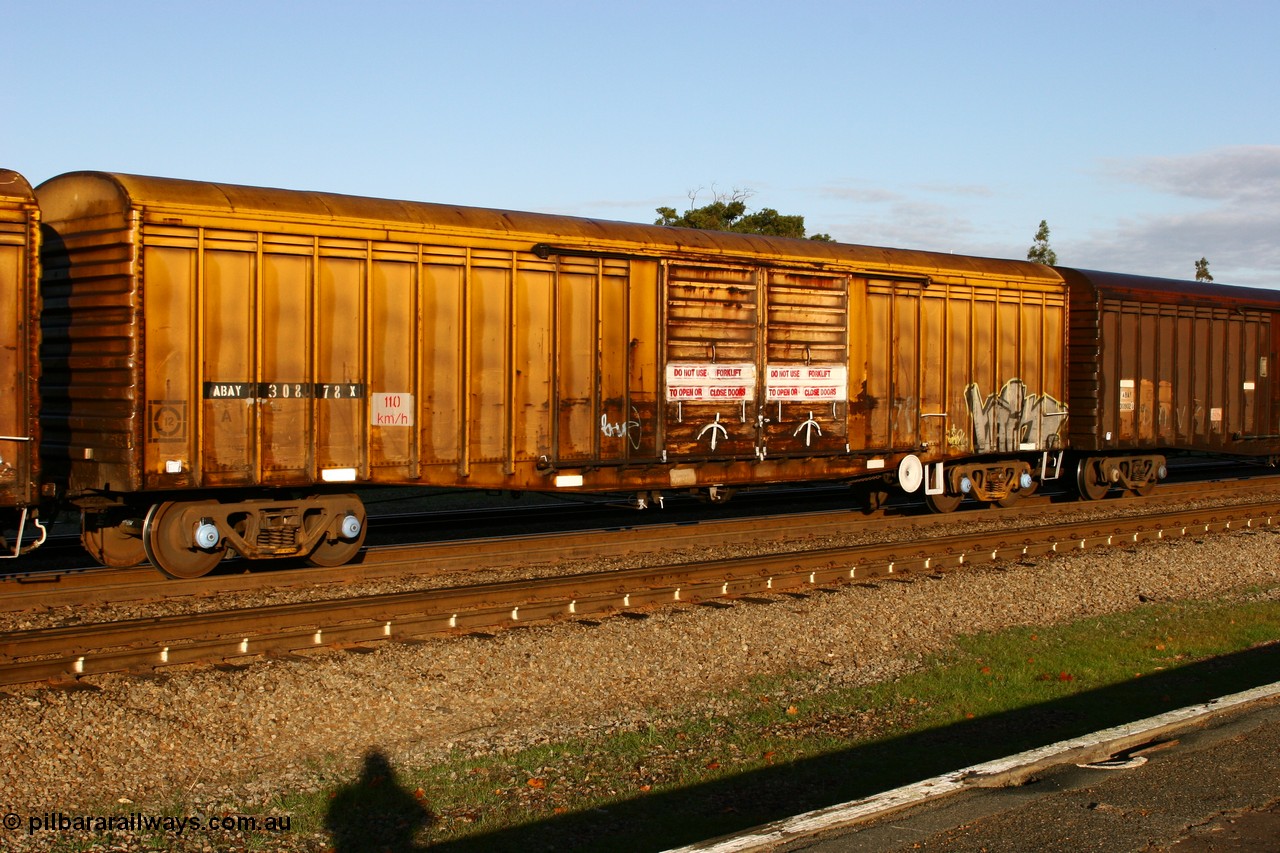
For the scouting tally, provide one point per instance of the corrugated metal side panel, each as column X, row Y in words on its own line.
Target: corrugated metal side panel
column 1174, row 375
column 167, row 404
column 92, row 339
column 594, row 417
column 394, row 363
column 961, row 367
column 1152, row 372
column 19, row 342
column 284, row 360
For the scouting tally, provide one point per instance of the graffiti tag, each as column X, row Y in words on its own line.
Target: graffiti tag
column 1014, row 419
column 630, row 430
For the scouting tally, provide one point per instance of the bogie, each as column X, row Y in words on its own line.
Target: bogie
column 187, row 539
column 1135, row 475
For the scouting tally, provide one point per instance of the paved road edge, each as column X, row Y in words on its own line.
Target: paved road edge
column 1002, row 771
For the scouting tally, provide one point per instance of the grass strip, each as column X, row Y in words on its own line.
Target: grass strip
column 789, row 744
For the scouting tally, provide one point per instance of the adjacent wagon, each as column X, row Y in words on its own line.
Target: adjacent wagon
column 1159, row 366
column 20, row 528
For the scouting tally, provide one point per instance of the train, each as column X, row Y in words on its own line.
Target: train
column 202, row 370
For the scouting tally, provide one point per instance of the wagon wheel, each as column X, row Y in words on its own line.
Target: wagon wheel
column 1087, row 481
column 336, row 552
column 942, row 503
column 112, row 546
column 169, row 547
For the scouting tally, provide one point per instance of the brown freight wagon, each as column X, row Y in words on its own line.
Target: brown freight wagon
column 1159, row 366
column 234, row 361
column 20, row 529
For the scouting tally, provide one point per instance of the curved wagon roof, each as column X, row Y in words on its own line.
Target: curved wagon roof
column 88, row 194
column 14, row 186
column 1170, row 290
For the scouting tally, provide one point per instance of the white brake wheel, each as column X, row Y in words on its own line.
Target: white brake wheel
column 910, row 474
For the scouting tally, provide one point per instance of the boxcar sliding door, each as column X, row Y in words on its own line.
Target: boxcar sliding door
column 711, row 377
column 806, row 363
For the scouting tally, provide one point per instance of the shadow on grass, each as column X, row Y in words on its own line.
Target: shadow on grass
column 675, row 818
column 375, row 812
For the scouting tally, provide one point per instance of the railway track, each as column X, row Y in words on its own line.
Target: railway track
column 146, row 644
column 579, row 537
column 419, row 541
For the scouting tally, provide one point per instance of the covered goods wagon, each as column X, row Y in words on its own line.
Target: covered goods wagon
column 20, row 528
column 1159, row 366
column 234, row 361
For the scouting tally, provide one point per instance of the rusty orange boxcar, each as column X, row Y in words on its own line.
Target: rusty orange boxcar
column 20, row 527
column 231, row 362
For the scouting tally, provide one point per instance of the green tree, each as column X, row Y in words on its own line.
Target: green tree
column 1202, row 270
column 728, row 212
column 1040, row 251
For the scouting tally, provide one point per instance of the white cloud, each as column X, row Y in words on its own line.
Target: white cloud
column 860, row 194
column 905, row 223
column 1235, row 227
column 1248, row 173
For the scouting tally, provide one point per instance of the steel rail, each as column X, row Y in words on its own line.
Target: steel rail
column 146, row 644
column 100, row 586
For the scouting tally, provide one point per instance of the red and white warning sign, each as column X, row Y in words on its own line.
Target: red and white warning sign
column 391, row 410
column 814, row 383
column 693, row 382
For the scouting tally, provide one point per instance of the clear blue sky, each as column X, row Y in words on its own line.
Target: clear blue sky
column 1146, row 133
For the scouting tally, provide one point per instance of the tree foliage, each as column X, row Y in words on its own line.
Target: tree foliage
column 728, row 212
column 1202, row 270
column 1040, row 251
